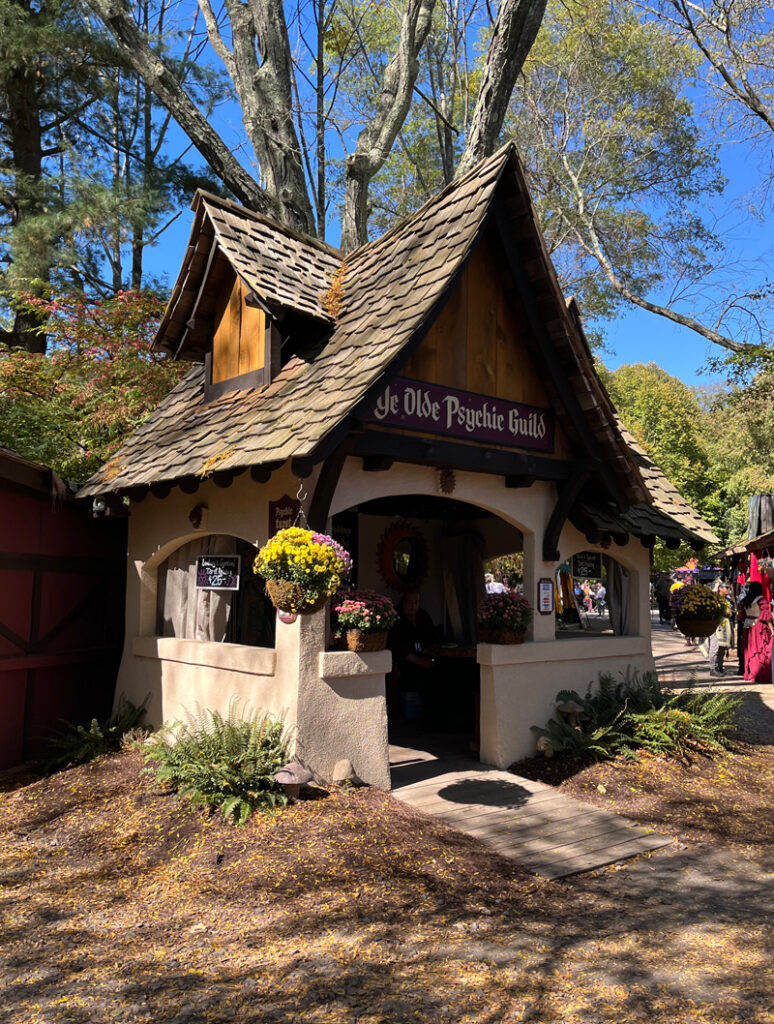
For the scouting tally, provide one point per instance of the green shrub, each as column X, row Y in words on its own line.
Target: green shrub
column 81, row 744
column 223, row 762
column 635, row 713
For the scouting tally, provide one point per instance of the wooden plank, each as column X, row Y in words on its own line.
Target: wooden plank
column 423, row 365
column 225, row 341
column 483, row 292
column 451, row 330
column 251, row 336
column 572, row 841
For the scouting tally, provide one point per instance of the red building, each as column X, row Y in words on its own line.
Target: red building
column 62, row 577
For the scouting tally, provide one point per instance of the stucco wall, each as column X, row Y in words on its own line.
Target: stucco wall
column 178, row 674
column 519, row 684
column 336, row 701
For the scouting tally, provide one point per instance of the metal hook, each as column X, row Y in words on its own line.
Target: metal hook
column 301, row 496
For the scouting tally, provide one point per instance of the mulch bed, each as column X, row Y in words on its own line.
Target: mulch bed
column 726, row 799
column 120, row 903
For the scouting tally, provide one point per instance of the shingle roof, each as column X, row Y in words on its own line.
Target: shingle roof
column 392, row 289
column 669, row 515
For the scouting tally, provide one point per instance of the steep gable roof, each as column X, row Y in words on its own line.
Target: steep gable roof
column 668, row 516
column 392, row 290
column 280, row 268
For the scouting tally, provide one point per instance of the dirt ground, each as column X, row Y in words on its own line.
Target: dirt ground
column 118, row 903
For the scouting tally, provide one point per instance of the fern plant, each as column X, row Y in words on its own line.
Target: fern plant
column 81, row 744
column 227, row 763
column 634, row 713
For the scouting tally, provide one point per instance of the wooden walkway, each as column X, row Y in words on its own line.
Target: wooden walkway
column 547, row 832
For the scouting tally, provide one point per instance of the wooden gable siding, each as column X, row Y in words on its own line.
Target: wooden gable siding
column 238, row 340
column 476, row 343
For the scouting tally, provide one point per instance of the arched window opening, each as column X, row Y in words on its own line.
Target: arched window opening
column 594, row 594
column 234, row 616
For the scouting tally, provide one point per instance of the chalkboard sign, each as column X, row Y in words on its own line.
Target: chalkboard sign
column 587, row 565
column 218, row 572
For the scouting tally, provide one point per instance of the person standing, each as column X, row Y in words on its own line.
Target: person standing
column 756, row 618
column 661, row 591
column 720, row 641
column 492, row 585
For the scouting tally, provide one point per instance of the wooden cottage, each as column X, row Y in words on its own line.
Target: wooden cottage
column 431, row 389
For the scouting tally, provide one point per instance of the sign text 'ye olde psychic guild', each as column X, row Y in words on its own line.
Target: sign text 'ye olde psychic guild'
column 438, row 410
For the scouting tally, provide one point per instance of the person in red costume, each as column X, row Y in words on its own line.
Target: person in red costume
column 755, row 616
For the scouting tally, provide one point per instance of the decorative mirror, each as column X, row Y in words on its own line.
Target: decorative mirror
column 402, row 557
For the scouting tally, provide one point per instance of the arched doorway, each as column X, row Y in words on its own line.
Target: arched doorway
column 438, row 546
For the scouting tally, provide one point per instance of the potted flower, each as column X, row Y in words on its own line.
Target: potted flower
column 503, row 618
column 698, row 611
column 302, row 569
column 365, row 618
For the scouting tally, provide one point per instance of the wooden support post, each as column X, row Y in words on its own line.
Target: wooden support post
column 568, row 492
column 324, row 490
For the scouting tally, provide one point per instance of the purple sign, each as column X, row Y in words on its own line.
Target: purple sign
column 439, row 410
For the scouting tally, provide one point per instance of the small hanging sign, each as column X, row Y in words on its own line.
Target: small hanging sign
column 218, row 572
column 545, row 596
column 283, row 513
column 587, row 565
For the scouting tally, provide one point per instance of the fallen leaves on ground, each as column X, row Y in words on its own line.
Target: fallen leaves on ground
column 120, row 904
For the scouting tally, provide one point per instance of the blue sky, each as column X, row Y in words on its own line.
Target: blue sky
column 636, row 335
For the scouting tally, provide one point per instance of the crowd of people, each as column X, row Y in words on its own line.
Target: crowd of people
column 747, row 627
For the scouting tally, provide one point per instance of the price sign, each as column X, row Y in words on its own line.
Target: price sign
column 218, row 572
column 587, row 565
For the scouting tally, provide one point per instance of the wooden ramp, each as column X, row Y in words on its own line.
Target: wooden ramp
column 547, row 832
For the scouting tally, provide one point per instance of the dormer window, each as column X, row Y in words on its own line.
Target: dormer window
column 242, row 350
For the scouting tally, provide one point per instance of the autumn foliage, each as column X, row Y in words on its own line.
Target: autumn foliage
column 73, row 407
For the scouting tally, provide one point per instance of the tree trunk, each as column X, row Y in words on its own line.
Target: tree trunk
column 515, row 29
column 376, row 139
column 25, row 132
column 169, row 91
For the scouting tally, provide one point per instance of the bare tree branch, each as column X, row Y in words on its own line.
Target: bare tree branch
column 377, row 138
column 166, row 87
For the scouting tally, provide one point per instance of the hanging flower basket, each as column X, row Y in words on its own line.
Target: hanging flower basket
column 698, row 612
column 302, row 569
column 501, row 636
column 292, row 597
column 359, row 640
column 697, row 627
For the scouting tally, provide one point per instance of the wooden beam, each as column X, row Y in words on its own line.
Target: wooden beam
column 621, row 539
column 377, row 463
column 568, row 492
column 138, row 494
column 262, row 474
column 189, row 484
column 160, row 490
column 473, row 458
column 327, row 480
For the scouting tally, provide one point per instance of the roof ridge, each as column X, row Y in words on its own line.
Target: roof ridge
column 243, row 211
column 501, row 153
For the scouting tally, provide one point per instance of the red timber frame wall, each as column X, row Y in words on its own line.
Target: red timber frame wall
column 62, row 583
